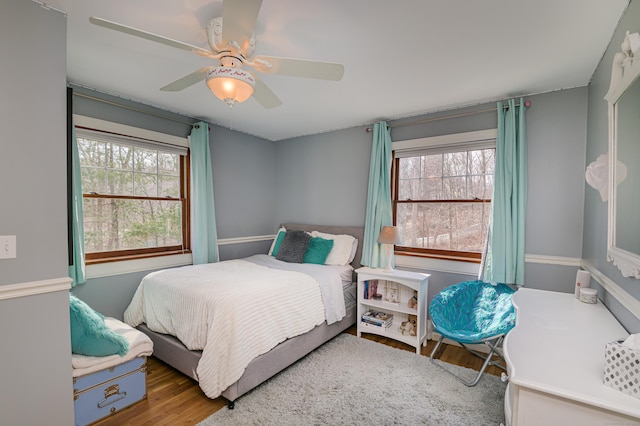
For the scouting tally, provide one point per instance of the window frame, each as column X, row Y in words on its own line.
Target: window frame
column 481, row 139
column 159, row 140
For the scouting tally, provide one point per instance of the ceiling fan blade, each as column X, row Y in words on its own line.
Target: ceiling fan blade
column 264, row 95
column 238, row 20
column 187, row 81
column 299, row 67
column 150, row 36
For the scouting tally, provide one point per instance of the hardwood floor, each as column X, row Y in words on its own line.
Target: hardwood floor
column 174, row 399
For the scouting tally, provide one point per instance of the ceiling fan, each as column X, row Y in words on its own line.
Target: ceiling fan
column 232, row 42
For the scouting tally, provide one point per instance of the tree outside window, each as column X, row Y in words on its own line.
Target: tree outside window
column 134, row 199
column 442, row 202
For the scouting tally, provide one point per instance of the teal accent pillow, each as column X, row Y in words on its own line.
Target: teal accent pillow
column 89, row 333
column 278, row 243
column 318, row 250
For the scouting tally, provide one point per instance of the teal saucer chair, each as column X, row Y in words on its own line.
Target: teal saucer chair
column 470, row 313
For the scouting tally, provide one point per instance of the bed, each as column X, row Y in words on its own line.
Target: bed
column 321, row 327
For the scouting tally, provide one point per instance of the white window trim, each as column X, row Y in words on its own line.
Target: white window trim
column 430, row 264
column 433, row 142
column 130, row 266
column 136, row 132
column 450, row 140
column 120, row 267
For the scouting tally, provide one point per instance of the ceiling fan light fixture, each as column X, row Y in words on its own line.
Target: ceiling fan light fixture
column 232, row 85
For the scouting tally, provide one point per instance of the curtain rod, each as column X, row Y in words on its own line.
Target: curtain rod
column 446, row 117
column 131, row 108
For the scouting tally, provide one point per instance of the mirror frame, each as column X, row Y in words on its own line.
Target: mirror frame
column 625, row 70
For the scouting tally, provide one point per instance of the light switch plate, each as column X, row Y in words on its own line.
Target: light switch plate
column 7, row 246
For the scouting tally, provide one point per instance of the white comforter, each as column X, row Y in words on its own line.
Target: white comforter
column 233, row 311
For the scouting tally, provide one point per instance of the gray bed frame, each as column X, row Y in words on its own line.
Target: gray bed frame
column 170, row 350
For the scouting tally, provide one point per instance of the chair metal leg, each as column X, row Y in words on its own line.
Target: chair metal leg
column 493, row 345
column 436, row 348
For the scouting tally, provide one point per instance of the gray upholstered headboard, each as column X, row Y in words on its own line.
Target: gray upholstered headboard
column 356, row 231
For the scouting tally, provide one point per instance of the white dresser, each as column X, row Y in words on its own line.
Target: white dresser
column 555, row 362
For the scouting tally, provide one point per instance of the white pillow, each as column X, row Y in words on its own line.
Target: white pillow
column 354, row 248
column 282, row 229
column 342, row 248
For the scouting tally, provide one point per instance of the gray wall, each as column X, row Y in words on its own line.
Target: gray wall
column 594, row 249
column 106, row 107
column 243, row 183
column 323, row 178
column 33, row 161
column 35, row 354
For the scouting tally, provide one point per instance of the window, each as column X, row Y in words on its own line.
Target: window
column 442, row 195
column 135, row 196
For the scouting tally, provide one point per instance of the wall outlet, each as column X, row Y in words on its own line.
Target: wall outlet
column 7, row 246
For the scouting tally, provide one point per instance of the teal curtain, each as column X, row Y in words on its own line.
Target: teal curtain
column 504, row 261
column 379, row 209
column 77, row 268
column 204, row 237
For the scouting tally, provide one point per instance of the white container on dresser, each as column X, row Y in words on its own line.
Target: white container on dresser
column 555, row 363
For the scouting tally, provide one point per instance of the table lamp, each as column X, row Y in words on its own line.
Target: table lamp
column 389, row 236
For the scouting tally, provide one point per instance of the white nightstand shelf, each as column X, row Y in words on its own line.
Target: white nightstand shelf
column 404, row 283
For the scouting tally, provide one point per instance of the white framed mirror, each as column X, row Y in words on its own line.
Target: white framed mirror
column 624, row 159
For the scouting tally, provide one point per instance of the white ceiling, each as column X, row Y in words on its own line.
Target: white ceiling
column 402, row 58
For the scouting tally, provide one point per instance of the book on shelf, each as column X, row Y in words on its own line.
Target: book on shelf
column 378, row 324
column 381, row 319
column 377, row 315
column 370, row 289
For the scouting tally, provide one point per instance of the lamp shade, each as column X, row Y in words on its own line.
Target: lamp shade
column 389, row 235
column 232, row 85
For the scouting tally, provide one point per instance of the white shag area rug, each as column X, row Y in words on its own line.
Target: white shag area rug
column 354, row 381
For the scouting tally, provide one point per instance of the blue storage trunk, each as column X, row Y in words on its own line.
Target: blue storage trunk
column 97, row 395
